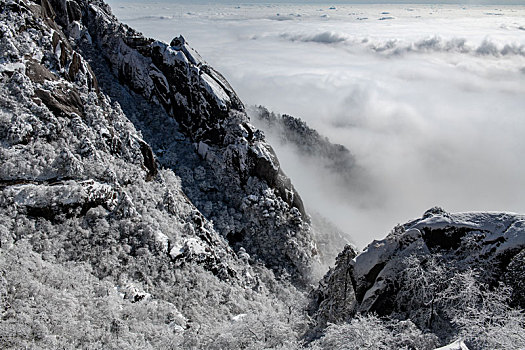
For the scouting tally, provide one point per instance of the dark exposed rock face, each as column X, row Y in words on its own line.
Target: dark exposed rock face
column 492, row 243
column 334, row 301
column 515, row 278
column 61, row 101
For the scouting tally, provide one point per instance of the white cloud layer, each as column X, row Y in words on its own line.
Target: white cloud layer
column 429, row 98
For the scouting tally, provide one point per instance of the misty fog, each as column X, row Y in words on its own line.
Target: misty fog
column 430, row 99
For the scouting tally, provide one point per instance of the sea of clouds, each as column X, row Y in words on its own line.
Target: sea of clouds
column 430, row 99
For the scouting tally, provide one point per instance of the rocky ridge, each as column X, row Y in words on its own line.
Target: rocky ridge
column 245, row 174
column 332, row 163
column 438, row 246
column 71, row 158
column 308, row 142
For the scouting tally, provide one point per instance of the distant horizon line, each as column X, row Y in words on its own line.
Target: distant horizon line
column 363, row 2
column 340, row 2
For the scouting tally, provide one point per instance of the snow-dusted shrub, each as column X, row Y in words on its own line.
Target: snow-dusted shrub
column 269, row 330
column 46, row 305
column 370, row 332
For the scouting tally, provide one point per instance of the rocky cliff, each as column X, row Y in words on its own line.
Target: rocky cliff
column 422, row 269
column 324, row 161
column 131, row 179
column 77, row 49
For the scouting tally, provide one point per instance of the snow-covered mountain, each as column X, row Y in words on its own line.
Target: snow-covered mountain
column 140, row 209
column 73, row 56
column 308, row 142
column 131, row 179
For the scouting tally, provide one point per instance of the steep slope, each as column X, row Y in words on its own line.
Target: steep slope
column 243, row 176
column 95, row 235
column 430, row 270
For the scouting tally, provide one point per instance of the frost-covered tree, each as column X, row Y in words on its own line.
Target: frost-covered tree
column 459, row 304
column 482, row 314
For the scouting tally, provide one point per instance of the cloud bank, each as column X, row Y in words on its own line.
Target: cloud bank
column 429, row 102
column 426, row 45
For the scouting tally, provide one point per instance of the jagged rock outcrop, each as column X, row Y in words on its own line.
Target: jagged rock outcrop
column 209, row 116
column 384, row 277
column 334, row 301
